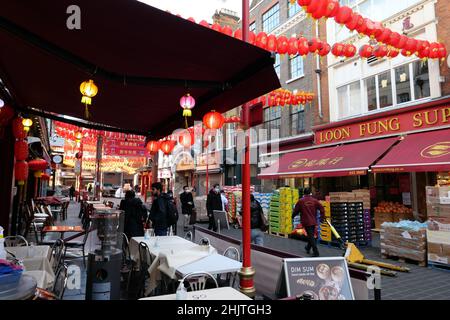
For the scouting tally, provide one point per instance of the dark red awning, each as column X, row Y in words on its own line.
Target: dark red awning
column 342, row 160
column 142, row 59
column 427, row 151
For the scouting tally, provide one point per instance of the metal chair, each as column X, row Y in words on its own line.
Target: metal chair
column 15, row 241
column 232, row 253
column 128, row 265
column 145, row 261
column 204, row 241
column 80, row 244
column 197, row 280
column 58, row 253
column 189, row 236
column 60, row 283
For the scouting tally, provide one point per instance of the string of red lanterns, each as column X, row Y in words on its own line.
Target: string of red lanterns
column 20, row 151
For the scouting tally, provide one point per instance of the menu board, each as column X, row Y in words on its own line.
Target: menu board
column 322, row 278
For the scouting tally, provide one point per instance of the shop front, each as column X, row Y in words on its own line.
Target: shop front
column 208, row 172
column 184, row 172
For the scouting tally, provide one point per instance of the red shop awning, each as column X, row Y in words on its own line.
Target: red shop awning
column 337, row 161
column 428, row 151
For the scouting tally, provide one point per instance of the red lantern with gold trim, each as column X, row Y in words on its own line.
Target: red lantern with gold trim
column 19, row 129
column 21, row 150
column 380, row 51
column 216, row 27
column 343, row 15
column 332, row 8
column 442, row 51
column 402, row 42
column 282, row 44
column 204, row 23
column 366, row 51
column 213, row 120
column 293, row 46
column 167, row 146
column 326, row 48
column 314, row 45
column 349, row 50
column 152, row 146
column 321, row 10
column 261, row 40
column 352, row 23
column 304, row 3
column 337, row 49
column 227, row 30
column 303, row 47
column 186, row 138
column 45, row 177
column 394, row 39
column 272, row 43
column 238, row 34
column 38, row 165
column 393, row 53
column 384, row 36
column 21, row 172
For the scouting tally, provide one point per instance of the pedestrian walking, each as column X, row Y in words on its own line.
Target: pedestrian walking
column 162, row 211
column 135, row 215
column 258, row 223
column 72, row 192
column 213, row 202
column 187, row 204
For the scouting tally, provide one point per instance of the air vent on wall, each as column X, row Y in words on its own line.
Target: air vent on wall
column 372, row 60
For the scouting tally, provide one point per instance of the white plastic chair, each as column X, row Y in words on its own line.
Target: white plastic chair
column 15, row 241
column 197, row 280
column 188, row 236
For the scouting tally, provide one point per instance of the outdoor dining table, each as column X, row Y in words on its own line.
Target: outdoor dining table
column 222, row 293
column 36, row 263
column 170, row 253
column 62, row 229
column 215, row 264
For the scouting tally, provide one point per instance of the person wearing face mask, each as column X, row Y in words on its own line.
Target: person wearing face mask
column 159, row 210
column 213, row 202
column 187, row 204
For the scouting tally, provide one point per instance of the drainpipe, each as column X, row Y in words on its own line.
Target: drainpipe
column 318, row 72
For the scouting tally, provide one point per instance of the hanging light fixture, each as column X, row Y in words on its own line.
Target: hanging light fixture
column 186, row 138
column 153, row 147
column 27, row 123
column 89, row 90
column 167, row 146
column 187, row 102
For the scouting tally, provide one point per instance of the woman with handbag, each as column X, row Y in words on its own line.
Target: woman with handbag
column 258, row 222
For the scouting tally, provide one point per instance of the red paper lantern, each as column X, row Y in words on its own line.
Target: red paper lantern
column 272, row 43
column 45, row 177
column 380, row 51
column 293, row 46
column 282, row 45
column 21, row 172
column 261, row 40
column 392, row 52
column 366, row 51
column 384, row 36
column 238, row 34
column 402, row 42
column 361, row 26
column 18, row 129
column 411, row 46
column 251, row 37
column 442, row 51
column 152, row 146
column 213, row 120
column 303, row 47
column 434, row 50
column 6, row 114
column 186, row 138
column 38, row 165
column 204, row 23
column 21, row 150
column 394, row 39
column 349, row 50
column 320, row 12
column 338, row 49
column 424, row 54
column 353, row 21
column 326, row 48
column 216, row 27
column 313, row 6
column 227, row 30
column 314, row 45
column 167, row 146
column 332, row 8
column 191, row 19
column 343, row 15
column 304, row 3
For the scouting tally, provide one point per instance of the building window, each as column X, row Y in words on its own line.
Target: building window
column 297, row 119
column 277, row 64
column 371, row 87
column 230, row 141
column 252, row 26
column 272, row 122
column 421, row 79
column 293, row 8
column 271, row 18
column 402, row 84
column 296, row 67
column 349, row 100
column 385, row 89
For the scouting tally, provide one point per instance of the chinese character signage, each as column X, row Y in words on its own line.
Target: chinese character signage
column 125, row 148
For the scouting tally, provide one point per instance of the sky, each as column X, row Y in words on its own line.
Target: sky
column 198, row 9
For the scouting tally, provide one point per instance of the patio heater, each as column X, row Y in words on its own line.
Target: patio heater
column 105, row 260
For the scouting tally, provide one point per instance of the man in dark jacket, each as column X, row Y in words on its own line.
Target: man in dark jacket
column 213, row 202
column 158, row 211
column 307, row 207
column 256, row 221
column 187, row 203
column 135, row 215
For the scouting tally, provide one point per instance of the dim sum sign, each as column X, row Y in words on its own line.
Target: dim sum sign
column 402, row 121
column 321, row 278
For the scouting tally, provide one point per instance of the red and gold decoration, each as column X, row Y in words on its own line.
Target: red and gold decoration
column 166, row 146
column 284, row 97
column 213, row 120
column 21, row 172
column 89, row 90
column 21, row 150
column 152, row 146
column 18, row 129
column 186, row 138
column 6, row 114
column 27, row 123
column 45, row 177
column 38, row 165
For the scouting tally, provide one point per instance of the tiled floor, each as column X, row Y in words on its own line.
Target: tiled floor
column 421, row 283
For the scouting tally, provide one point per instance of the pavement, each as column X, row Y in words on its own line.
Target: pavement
column 421, row 283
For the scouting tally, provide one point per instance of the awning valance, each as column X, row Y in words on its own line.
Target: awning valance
column 342, row 160
column 427, row 151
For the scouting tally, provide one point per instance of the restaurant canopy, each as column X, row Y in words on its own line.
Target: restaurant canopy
column 141, row 58
column 427, row 151
column 341, row 160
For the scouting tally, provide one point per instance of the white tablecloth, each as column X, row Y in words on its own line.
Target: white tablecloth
column 44, row 279
column 170, row 253
column 214, row 264
column 223, row 293
column 30, row 251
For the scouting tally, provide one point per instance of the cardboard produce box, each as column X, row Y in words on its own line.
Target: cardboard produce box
column 438, row 246
column 438, row 192
column 438, row 210
column 405, row 240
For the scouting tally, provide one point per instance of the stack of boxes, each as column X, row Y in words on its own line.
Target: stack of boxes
column 281, row 206
column 231, row 206
column 405, row 239
column 324, row 228
column 264, row 200
column 438, row 230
